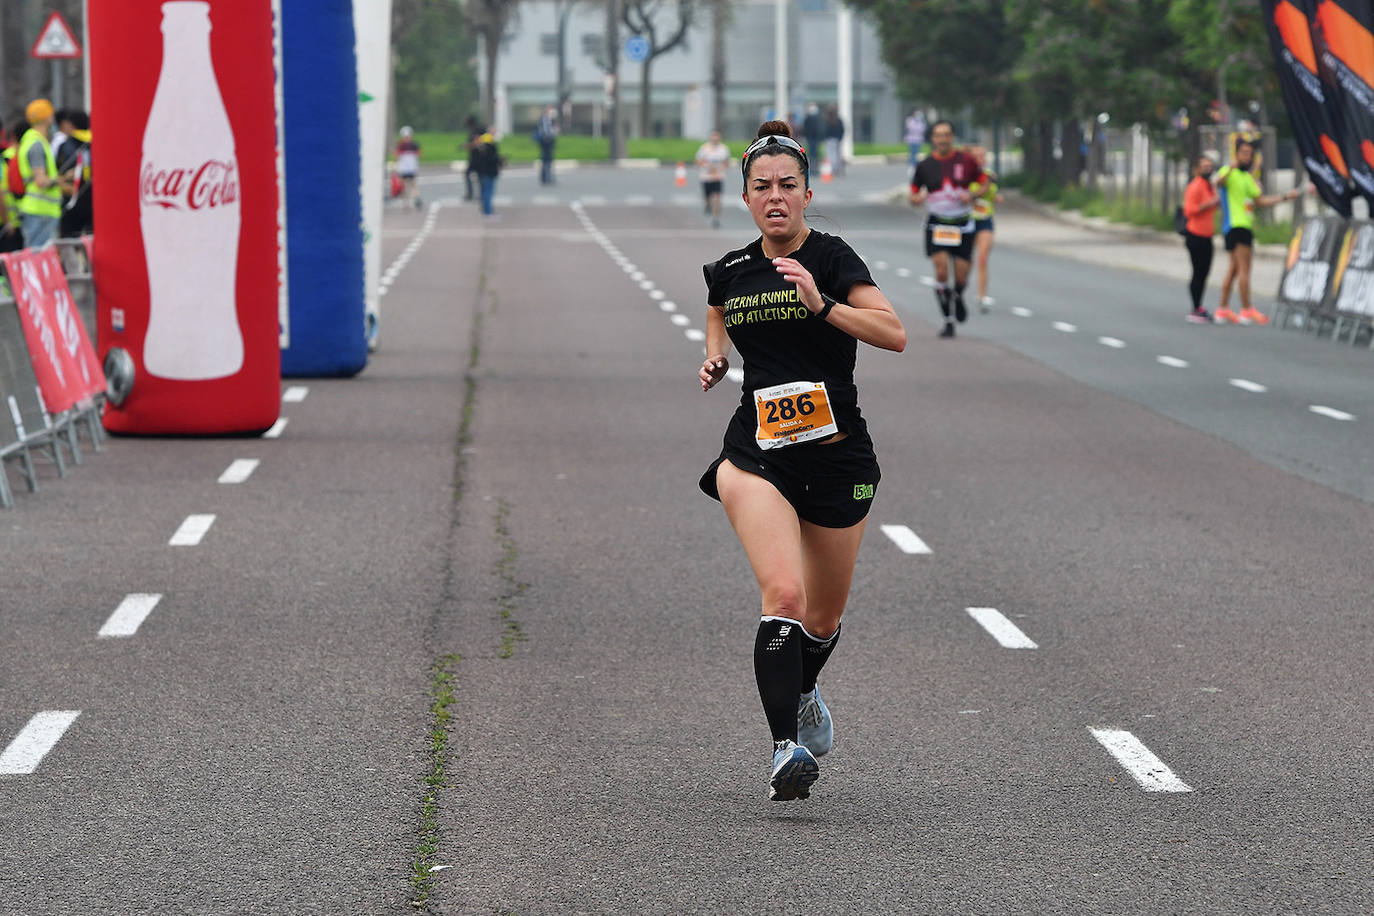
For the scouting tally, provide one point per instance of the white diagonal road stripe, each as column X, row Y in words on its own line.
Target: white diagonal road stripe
column 905, row 539
column 1002, row 629
column 1147, row 769
column 33, row 742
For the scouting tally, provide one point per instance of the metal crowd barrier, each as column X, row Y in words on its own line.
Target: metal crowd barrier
column 36, row 437
column 1328, row 280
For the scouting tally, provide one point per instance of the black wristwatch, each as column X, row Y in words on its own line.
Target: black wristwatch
column 829, row 304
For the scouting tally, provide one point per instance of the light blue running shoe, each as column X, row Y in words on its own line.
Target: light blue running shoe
column 815, row 730
column 794, row 770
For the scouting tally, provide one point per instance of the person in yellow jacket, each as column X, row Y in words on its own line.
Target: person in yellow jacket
column 40, row 208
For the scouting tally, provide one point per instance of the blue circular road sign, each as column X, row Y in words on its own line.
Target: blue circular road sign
column 637, row 48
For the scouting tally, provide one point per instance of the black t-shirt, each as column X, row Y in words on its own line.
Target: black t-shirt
column 778, row 337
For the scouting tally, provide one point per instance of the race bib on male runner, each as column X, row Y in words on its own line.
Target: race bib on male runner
column 948, row 236
column 793, row 412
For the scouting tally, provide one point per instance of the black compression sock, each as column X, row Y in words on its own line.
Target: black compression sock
column 943, row 296
column 778, row 670
column 815, row 653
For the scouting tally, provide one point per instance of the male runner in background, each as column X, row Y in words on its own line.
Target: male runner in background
column 942, row 182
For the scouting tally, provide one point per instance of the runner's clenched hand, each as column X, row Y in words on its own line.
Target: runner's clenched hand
column 793, row 272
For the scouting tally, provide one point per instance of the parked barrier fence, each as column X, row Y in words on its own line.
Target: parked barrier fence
column 1328, row 280
column 59, row 312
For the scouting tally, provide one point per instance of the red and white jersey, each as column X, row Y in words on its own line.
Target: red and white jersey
column 944, row 179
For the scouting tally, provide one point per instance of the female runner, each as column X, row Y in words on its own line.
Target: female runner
column 797, row 472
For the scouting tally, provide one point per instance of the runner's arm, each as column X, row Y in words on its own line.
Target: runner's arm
column 1269, row 200
column 713, row 369
column 869, row 317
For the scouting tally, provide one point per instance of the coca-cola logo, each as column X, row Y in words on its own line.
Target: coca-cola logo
column 211, row 184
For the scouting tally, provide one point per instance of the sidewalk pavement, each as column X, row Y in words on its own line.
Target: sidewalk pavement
column 1029, row 224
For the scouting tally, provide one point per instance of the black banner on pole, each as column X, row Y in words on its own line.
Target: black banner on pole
column 1315, row 115
column 1345, row 52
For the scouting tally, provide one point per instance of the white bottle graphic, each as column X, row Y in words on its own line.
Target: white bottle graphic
column 189, row 209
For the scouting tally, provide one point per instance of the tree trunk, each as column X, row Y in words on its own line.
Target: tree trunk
column 718, row 14
column 645, row 109
column 1070, row 143
column 491, row 45
column 1045, row 140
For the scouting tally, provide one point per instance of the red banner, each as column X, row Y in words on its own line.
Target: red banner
column 186, row 241
column 63, row 358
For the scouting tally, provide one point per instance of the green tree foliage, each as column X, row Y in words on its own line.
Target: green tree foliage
column 436, row 84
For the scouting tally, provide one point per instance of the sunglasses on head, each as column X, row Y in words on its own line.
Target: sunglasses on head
column 763, row 143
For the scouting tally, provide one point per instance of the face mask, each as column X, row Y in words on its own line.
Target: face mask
column 1245, row 167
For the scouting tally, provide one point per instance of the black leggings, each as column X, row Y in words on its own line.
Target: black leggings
column 1200, row 250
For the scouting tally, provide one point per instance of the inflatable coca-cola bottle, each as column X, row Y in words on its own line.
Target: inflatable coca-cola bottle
column 189, row 209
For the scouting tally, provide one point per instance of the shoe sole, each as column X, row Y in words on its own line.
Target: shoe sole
column 794, row 779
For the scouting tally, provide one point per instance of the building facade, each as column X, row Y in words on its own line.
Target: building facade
column 681, row 93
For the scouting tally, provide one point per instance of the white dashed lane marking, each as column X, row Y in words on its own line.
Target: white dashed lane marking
column 31, row 745
column 1065, row 327
column 1002, row 629
column 191, row 531
column 695, row 334
column 1147, row 769
column 1246, row 385
column 905, row 539
column 295, row 394
column 239, row 471
column 1173, row 361
column 680, row 320
column 1113, row 342
column 130, row 614
column 1021, row 311
column 275, row 430
column 1331, row 412
column 668, row 306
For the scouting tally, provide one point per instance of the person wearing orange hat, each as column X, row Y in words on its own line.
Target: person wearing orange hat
column 40, row 209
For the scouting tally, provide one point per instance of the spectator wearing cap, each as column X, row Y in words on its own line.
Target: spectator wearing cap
column 40, row 208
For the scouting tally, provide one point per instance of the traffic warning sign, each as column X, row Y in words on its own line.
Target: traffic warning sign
column 56, row 40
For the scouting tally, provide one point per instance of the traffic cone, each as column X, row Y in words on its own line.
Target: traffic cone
column 826, row 172
column 680, row 175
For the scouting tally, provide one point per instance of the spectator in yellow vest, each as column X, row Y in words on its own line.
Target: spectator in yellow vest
column 40, row 208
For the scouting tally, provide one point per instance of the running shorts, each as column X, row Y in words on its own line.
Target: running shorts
column 831, row 485
column 710, row 187
column 982, row 225
column 1239, row 236
column 963, row 250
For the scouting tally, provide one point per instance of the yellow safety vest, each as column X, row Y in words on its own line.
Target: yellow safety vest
column 38, row 201
column 11, row 202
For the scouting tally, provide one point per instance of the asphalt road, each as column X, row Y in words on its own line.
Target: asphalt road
column 513, row 480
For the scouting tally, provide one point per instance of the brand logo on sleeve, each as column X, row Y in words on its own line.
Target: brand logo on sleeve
column 863, row 490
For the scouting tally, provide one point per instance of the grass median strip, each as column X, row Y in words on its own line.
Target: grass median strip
column 427, row 841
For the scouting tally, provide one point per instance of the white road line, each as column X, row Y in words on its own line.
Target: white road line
column 637, row 276
column 191, row 531
column 1245, row 384
column 881, row 265
column 1002, row 629
column 1172, row 361
column 657, row 294
column 903, row 271
column 929, row 281
column 544, row 200
column 34, row 740
column 1064, row 326
column 1147, row 769
column 276, row 428
column 639, row 200
column 239, row 470
column 592, row 200
column 680, row 320
column 668, row 306
column 905, row 539
column 1021, row 311
column 130, row 614
column 735, row 375
column 646, row 285
column 295, row 394
column 1331, row 412
column 1113, row 342
column 695, row 334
